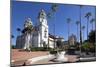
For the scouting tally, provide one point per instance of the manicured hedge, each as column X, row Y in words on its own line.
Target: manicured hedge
column 40, row 49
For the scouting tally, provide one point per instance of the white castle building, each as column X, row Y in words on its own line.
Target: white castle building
column 36, row 36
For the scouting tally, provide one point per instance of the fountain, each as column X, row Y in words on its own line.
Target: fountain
column 60, row 57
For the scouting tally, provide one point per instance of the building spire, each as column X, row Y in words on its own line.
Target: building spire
column 42, row 14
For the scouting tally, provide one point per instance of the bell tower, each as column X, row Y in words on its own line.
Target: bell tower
column 43, row 28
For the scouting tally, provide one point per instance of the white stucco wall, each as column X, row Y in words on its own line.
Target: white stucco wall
column 51, row 43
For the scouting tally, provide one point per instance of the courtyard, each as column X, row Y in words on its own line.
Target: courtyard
column 20, row 57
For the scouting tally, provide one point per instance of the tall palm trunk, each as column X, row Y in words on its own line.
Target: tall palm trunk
column 54, row 8
column 88, row 16
column 77, row 32
column 68, row 33
column 68, row 25
column 87, row 27
column 83, row 27
column 92, row 26
column 68, row 30
column 54, row 38
column 77, row 23
column 80, row 31
column 83, row 35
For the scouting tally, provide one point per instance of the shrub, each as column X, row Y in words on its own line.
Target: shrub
column 85, row 47
column 88, row 47
column 53, row 51
column 40, row 49
column 92, row 47
column 36, row 48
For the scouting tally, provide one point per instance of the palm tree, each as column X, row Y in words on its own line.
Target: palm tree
column 77, row 23
column 19, row 30
column 88, row 17
column 92, row 21
column 54, row 8
column 68, row 25
column 80, row 7
column 83, row 27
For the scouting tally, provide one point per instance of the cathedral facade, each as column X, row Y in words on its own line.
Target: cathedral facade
column 35, row 36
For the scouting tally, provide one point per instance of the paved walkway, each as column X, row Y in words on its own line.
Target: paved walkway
column 71, row 58
column 19, row 57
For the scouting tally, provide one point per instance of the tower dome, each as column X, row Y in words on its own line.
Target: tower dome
column 42, row 14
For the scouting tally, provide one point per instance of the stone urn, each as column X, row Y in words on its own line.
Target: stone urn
column 60, row 57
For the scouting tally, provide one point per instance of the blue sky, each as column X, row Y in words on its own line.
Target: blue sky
column 22, row 10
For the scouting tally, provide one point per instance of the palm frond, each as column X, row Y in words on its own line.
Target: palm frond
column 18, row 29
column 54, row 7
column 92, row 20
column 68, row 20
column 88, row 15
